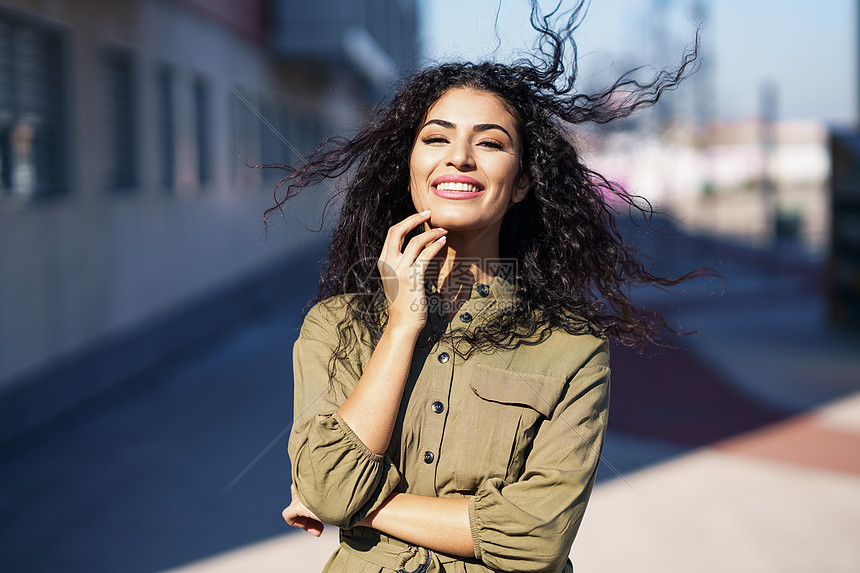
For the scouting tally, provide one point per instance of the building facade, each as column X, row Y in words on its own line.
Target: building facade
column 126, row 132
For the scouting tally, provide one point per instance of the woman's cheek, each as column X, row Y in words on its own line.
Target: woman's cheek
column 417, row 202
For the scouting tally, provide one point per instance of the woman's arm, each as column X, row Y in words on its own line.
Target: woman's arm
column 530, row 524
column 340, row 435
column 535, row 518
column 372, row 407
column 337, row 476
column 505, row 525
column 518, row 520
column 437, row 523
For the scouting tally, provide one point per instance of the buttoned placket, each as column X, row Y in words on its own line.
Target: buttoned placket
column 444, row 364
column 435, row 412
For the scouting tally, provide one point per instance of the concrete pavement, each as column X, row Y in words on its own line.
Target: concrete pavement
column 185, row 460
column 737, row 451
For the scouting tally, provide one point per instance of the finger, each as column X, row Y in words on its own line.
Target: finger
column 314, row 527
column 291, row 514
column 398, row 231
column 297, row 510
column 291, row 517
column 417, row 244
column 397, row 235
column 422, row 260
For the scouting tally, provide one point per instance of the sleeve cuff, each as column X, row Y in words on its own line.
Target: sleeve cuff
column 473, row 524
column 340, row 478
column 360, row 446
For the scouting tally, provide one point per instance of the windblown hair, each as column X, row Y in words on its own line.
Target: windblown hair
column 574, row 271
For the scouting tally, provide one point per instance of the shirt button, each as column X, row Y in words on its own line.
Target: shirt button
column 438, row 407
column 444, row 357
column 483, row 289
column 428, row 457
column 466, row 317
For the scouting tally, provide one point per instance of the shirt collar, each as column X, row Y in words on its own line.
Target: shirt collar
column 501, row 285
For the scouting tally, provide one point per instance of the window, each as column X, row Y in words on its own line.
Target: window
column 183, row 127
column 120, row 108
column 165, row 81
column 32, row 109
column 201, row 130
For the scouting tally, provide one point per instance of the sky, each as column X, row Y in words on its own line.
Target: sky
column 806, row 50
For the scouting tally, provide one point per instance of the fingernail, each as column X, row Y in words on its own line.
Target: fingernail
column 441, row 239
column 427, row 212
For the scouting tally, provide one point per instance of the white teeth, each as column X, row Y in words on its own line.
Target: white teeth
column 452, row 186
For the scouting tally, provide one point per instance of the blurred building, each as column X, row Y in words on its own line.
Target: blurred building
column 844, row 267
column 125, row 199
column 713, row 179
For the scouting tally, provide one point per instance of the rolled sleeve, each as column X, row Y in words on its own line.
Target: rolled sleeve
column 530, row 524
column 337, row 476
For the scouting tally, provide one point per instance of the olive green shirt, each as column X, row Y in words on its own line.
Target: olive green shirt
column 519, row 432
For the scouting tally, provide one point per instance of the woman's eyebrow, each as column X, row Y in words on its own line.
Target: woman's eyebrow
column 442, row 122
column 487, row 126
column 478, row 127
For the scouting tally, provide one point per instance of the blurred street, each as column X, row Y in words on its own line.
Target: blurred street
column 738, row 450
column 142, row 478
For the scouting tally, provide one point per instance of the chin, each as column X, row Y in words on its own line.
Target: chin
column 448, row 218
column 456, row 222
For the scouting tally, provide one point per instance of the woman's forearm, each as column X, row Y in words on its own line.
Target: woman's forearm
column 437, row 523
column 371, row 409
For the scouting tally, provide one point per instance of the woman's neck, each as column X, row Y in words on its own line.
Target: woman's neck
column 463, row 262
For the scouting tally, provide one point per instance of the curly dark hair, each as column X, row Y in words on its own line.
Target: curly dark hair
column 574, row 269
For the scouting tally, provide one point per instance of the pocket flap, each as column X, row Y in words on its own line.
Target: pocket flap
column 508, row 386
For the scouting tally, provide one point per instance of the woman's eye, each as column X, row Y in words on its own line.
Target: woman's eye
column 431, row 139
column 492, row 144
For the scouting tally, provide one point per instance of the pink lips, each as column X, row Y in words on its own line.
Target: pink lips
column 446, row 194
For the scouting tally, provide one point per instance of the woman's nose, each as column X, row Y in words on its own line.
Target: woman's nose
column 460, row 156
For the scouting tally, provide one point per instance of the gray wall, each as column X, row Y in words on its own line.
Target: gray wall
column 81, row 267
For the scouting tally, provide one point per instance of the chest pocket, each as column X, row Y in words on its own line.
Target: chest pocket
column 505, row 409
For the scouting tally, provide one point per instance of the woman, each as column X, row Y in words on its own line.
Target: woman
column 451, row 383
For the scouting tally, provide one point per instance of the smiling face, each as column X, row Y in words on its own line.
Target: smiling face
column 465, row 162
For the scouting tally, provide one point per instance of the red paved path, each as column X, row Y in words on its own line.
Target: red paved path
column 673, row 395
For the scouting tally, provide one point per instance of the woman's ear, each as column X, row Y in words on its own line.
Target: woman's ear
column 522, row 189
